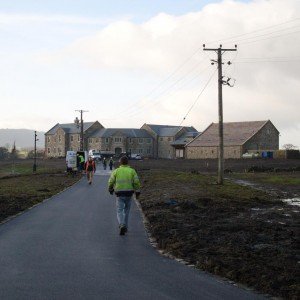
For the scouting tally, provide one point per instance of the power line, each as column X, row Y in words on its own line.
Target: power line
column 133, row 107
column 268, row 38
column 254, row 31
column 137, row 109
column 150, row 105
column 192, row 106
column 196, row 51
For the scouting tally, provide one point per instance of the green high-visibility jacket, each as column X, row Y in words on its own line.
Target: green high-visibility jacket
column 81, row 158
column 124, row 179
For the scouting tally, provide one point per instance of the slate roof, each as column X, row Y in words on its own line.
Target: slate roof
column 70, row 127
column 184, row 139
column 129, row 132
column 169, row 130
column 235, row 133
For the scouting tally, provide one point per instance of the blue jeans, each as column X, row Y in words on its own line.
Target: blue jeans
column 123, row 208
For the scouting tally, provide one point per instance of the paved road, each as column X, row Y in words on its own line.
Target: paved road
column 69, row 248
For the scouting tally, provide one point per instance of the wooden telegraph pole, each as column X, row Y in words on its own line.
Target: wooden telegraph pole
column 220, row 51
column 81, row 127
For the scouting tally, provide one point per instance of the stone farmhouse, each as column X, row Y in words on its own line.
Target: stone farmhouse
column 170, row 141
column 158, row 141
column 239, row 138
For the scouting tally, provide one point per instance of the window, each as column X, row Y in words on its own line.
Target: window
column 268, row 131
column 59, row 138
column 55, row 140
column 97, row 140
column 71, row 138
column 148, row 150
column 78, row 138
column 59, row 151
column 130, row 141
column 212, row 151
column 54, row 150
column 90, row 140
column 106, row 141
column 49, row 150
column 118, row 140
column 140, row 151
column 141, row 141
column 148, row 141
column 48, row 139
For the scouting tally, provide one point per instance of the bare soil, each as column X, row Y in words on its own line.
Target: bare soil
column 244, row 234
column 23, row 189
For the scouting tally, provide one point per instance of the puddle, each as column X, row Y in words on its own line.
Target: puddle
column 244, row 182
column 292, row 201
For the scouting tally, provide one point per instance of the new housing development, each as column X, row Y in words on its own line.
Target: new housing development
column 164, row 141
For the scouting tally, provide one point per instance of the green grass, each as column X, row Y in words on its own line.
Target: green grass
column 282, row 180
column 271, row 178
column 26, row 167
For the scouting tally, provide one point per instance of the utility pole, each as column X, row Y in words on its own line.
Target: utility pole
column 219, row 62
column 34, row 158
column 81, row 127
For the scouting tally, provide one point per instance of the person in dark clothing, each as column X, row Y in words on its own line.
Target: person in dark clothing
column 104, row 163
column 111, row 163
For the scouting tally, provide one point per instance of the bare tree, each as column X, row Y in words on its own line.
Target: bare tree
column 289, row 147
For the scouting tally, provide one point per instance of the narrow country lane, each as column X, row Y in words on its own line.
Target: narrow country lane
column 69, row 248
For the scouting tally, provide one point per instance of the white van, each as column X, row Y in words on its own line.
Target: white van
column 71, row 160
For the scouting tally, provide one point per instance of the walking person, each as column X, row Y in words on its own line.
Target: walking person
column 111, row 163
column 124, row 182
column 81, row 162
column 104, row 163
column 90, row 169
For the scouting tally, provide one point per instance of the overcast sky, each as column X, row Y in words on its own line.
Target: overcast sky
column 130, row 62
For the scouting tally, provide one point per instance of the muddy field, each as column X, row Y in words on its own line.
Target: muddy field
column 244, row 233
column 211, row 165
column 22, row 189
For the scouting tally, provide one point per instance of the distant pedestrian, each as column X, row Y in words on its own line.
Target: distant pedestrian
column 111, row 163
column 81, row 163
column 78, row 162
column 124, row 182
column 104, row 163
column 90, row 169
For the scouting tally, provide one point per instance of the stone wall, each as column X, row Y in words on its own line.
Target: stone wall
column 155, row 140
column 165, row 150
column 265, row 139
column 56, row 144
column 142, row 146
column 212, row 152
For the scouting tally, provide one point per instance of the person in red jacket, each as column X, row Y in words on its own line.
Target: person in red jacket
column 90, row 169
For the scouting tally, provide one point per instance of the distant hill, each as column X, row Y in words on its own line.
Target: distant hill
column 24, row 138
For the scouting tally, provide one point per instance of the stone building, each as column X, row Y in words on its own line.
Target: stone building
column 120, row 140
column 159, row 141
column 239, row 138
column 170, row 141
column 63, row 137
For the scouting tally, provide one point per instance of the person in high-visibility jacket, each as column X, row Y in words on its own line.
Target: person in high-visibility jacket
column 124, row 182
